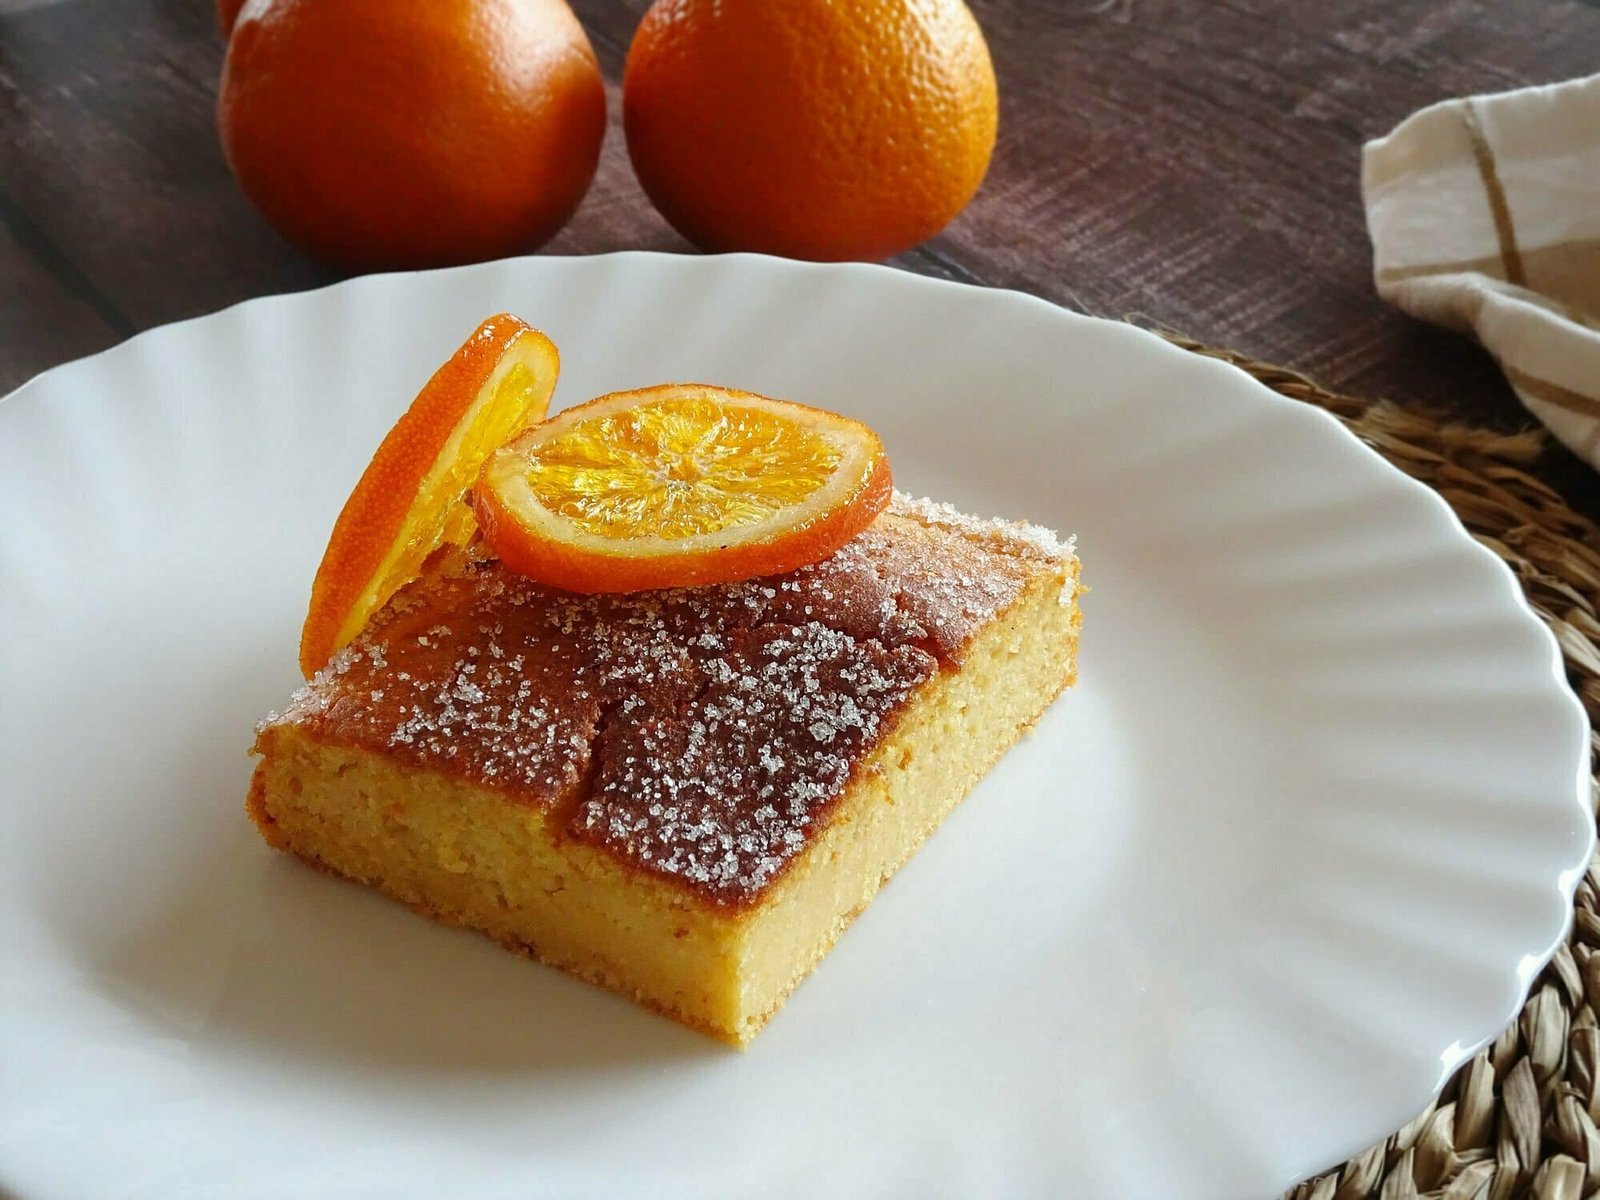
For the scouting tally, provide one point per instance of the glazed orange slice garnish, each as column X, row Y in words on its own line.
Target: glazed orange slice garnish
column 411, row 500
column 679, row 485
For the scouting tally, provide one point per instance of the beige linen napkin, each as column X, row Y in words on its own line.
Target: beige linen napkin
column 1485, row 218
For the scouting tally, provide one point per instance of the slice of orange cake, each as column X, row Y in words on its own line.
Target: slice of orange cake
column 684, row 795
column 659, row 690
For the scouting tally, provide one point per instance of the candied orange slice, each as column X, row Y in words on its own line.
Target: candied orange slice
column 679, row 485
column 410, row 502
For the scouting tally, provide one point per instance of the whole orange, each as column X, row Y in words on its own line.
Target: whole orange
column 809, row 128
column 377, row 134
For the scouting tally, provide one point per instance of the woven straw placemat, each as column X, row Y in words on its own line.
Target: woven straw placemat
column 1519, row 1120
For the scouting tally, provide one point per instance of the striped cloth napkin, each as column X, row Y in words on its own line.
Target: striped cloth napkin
column 1485, row 218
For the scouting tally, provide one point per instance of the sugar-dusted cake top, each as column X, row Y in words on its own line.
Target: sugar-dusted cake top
column 702, row 734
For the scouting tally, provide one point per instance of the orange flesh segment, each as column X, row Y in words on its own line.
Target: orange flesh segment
column 411, row 500
column 683, row 466
column 679, row 485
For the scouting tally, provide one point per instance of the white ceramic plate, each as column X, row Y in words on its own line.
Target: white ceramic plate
column 1291, row 850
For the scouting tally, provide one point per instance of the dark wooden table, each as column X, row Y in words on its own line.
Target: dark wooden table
column 1194, row 162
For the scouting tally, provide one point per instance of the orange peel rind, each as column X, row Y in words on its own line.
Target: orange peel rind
column 411, row 501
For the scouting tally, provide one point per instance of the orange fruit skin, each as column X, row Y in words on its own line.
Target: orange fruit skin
column 381, row 502
column 379, row 135
column 559, row 565
column 809, row 128
column 227, row 14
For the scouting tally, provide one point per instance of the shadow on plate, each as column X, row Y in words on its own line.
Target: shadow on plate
column 225, row 943
column 270, row 957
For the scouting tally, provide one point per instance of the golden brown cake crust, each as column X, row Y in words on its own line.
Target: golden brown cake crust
column 702, row 735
